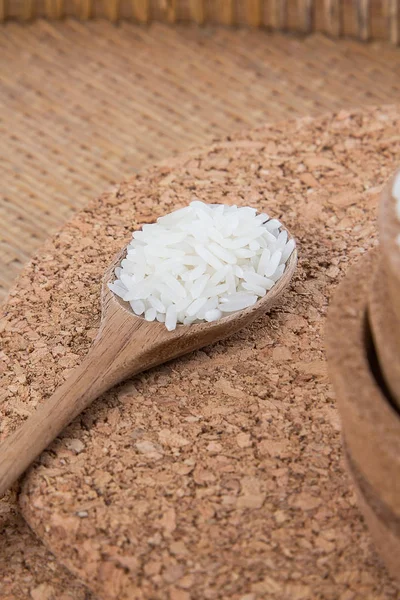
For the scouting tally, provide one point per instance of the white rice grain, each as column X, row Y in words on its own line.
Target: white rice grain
column 138, row 307
column 171, row 318
column 150, row 314
column 238, row 302
column 213, row 315
column 194, row 308
column 273, row 263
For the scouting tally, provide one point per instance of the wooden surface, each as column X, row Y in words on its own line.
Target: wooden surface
column 221, row 470
column 84, row 105
column 124, row 346
column 371, row 425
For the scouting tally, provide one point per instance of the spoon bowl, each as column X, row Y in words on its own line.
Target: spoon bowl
column 160, row 345
column 126, row 344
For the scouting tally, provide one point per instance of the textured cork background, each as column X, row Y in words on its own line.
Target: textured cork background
column 219, row 475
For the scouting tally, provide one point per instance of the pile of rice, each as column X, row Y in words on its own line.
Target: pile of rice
column 201, row 263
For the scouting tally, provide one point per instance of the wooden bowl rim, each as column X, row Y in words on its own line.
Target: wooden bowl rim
column 350, row 369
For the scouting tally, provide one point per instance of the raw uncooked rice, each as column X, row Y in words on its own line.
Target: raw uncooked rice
column 201, row 263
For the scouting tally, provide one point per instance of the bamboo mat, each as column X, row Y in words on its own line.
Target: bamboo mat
column 84, row 105
column 363, row 19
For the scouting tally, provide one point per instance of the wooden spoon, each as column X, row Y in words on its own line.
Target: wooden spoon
column 125, row 345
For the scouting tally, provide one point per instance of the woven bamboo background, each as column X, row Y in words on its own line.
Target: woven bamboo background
column 83, row 105
column 376, row 19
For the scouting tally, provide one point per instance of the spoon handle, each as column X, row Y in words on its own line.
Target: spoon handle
column 119, row 351
column 23, row 446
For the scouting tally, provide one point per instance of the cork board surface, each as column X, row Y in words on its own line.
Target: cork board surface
column 219, row 475
column 27, row 569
